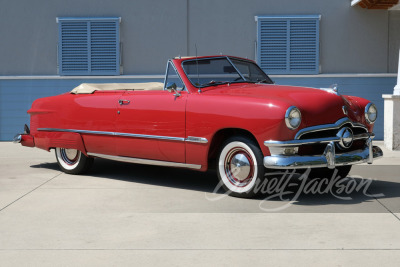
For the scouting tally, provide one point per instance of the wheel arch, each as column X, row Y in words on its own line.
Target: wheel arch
column 220, row 136
column 49, row 140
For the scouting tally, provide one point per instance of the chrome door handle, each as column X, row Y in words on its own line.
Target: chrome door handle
column 123, row 102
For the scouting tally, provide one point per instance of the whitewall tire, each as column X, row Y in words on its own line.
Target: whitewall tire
column 240, row 167
column 73, row 161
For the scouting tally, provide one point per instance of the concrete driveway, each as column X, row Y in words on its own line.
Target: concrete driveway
column 131, row 215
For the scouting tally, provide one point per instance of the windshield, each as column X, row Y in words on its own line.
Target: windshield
column 216, row 71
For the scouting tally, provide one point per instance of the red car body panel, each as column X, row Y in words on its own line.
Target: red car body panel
column 258, row 109
column 155, row 113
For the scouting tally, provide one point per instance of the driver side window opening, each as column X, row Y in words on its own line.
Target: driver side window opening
column 172, row 76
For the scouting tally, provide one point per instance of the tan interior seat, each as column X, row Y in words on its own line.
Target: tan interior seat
column 89, row 88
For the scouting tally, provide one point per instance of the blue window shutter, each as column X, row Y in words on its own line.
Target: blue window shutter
column 273, row 45
column 104, row 47
column 73, row 47
column 89, row 46
column 288, row 44
column 304, row 43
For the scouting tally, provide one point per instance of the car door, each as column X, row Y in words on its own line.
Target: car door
column 151, row 124
column 94, row 117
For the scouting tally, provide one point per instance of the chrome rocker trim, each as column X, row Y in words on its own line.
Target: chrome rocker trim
column 191, row 139
column 146, row 161
column 328, row 159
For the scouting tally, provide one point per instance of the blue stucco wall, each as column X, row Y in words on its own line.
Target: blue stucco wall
column 17, row 95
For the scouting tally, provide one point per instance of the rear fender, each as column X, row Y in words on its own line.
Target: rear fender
column 47, row 140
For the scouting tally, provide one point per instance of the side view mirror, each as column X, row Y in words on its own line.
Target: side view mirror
column 171, row 87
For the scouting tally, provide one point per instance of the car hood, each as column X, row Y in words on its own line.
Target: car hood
column 316, row 105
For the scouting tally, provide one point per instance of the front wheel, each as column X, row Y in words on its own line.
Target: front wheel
column 240, row 167
column 73, row 161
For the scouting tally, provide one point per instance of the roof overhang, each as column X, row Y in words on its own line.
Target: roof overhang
column 375, row 4
column 396, row 7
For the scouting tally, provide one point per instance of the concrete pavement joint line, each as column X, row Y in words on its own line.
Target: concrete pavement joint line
column 30, row 192
column 385, row 207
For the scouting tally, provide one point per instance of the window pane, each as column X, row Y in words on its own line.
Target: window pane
column 250, row 71
column 172, row 77
column 204, row 71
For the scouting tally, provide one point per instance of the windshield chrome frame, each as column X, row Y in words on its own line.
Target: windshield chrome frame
column 233, row 65
column 246, row 60
column 179, row 76
column 230, row 62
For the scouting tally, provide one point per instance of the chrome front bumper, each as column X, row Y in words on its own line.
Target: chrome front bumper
column 329, row 158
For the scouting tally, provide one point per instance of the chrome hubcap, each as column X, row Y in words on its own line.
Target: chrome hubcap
column 71, row 153
column 240, row 166
column 69, row 156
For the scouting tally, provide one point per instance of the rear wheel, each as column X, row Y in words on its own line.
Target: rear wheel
column 73, row 161
column 240, row 167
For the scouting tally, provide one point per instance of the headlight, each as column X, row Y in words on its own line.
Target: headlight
column 371, row 113
column 292, row 117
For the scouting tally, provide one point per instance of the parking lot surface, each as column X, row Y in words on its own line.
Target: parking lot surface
column 123, row 214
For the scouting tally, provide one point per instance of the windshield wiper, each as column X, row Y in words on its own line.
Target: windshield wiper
column 213, row 83
column 263, row 81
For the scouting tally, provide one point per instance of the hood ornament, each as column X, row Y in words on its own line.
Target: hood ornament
column 332, row 89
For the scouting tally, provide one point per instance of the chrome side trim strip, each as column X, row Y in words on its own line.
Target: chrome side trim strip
column 75, row 131
column 194, row 139
column 150, row 136
column 146, row 161
column 333, row 126
column 191, row 139
column 114, row 134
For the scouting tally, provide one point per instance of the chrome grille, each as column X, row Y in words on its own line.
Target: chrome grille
column 330, row 130
column 324, row 133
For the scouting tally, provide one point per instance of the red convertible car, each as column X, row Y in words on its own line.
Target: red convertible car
column 216, row 111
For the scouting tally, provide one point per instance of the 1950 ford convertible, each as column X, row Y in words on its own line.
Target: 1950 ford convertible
column 217, row 111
